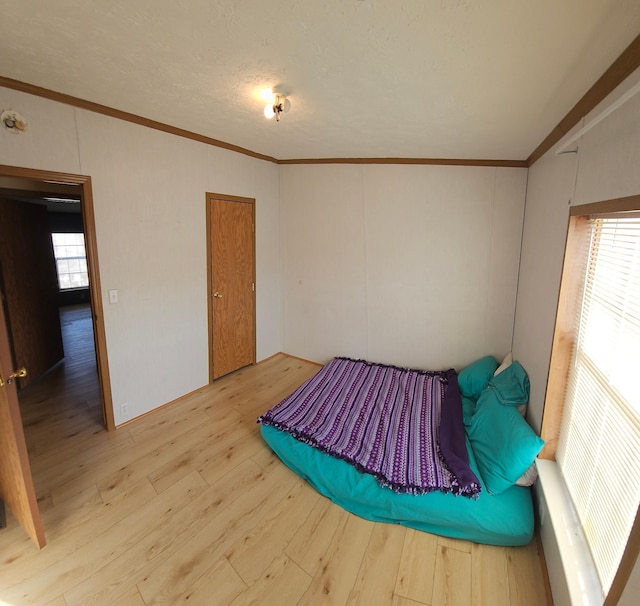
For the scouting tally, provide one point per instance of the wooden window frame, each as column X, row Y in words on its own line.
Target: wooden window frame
column 564, row 337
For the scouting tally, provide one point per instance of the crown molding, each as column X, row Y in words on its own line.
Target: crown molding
column 52, row 95
column 430, row 161
column 105, row 110
column 619, row 70
column 617, row 73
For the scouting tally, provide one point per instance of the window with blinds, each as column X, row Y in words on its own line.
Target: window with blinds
column 71, row 260
column 599, row 444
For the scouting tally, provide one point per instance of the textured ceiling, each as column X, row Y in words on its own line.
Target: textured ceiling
column 480, row 79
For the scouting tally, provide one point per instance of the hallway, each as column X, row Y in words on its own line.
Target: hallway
column 66, row 400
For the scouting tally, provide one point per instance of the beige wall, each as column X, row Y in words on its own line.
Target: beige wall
column 351, row 260
column 149, row 197
column 605, row 167
column 549, row 191
column 410, row 265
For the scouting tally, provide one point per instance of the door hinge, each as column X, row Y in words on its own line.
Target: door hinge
column 253, row 287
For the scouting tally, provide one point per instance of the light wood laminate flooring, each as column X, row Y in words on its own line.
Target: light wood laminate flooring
column 187, row 505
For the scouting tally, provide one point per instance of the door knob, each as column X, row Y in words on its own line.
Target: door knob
column 17, row 374
column 217, row 295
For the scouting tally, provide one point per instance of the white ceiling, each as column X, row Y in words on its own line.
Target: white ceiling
column 474, row 79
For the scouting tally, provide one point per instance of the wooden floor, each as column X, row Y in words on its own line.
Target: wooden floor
column 188, row 505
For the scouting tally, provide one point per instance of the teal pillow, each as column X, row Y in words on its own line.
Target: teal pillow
column 473, row 379
column 503, row 443
column 468, row 408
column 511, row 385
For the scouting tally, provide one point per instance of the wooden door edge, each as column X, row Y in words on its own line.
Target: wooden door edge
column 208, row 198
column 16, row 482
column 35, row 528
column 97, row 312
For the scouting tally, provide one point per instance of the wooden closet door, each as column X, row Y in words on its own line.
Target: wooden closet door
column 232, row 284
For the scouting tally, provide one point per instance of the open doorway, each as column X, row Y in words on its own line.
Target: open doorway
column 78, row 310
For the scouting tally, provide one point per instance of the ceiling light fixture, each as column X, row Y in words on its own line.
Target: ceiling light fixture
column 279, row 105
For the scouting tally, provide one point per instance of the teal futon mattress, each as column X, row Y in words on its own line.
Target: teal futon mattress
column 504, row 519
column 483, row 405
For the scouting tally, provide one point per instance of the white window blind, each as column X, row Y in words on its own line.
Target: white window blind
column 599, row 445
column 71, row 260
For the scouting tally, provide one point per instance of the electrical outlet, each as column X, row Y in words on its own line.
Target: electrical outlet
column 124, row 409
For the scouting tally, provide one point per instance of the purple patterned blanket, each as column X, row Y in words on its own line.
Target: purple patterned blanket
column 402, row 426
